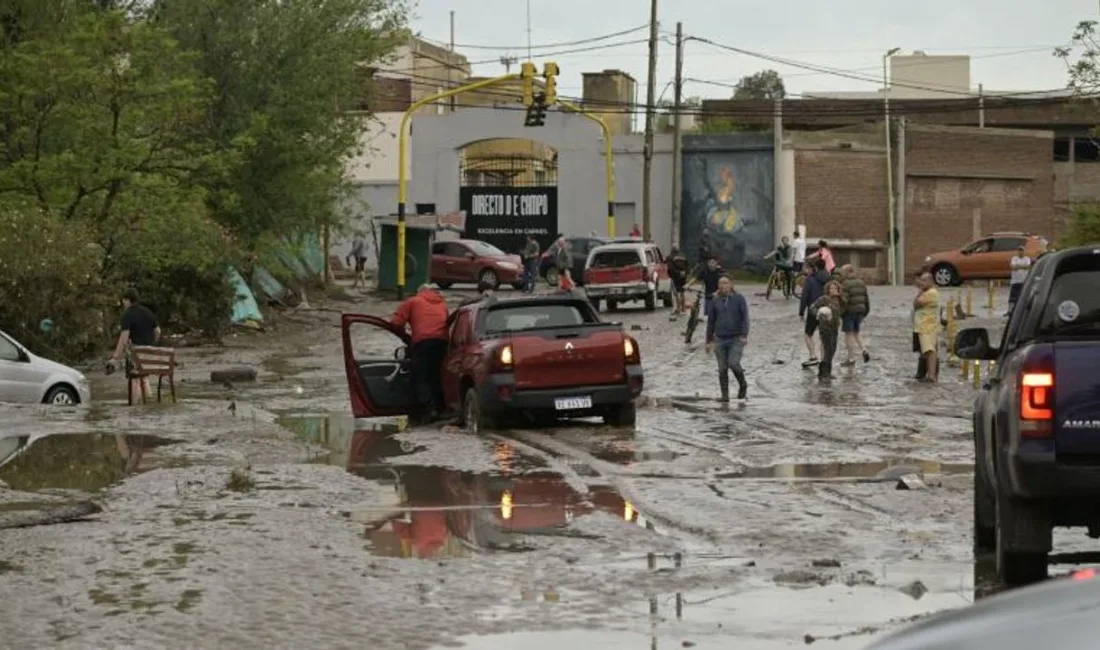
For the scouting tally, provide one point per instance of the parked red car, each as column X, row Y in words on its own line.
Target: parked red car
column 625, row 272
column 473, row 261
column 539, row 356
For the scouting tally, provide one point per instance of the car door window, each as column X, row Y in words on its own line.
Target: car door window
column 439, row 249
column 452, row 249
column 8, row 351
column 1005, row 244
column 460, row 331
column 650, row 258
column 982, row 246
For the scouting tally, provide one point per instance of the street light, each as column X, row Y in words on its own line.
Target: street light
column 892, row 263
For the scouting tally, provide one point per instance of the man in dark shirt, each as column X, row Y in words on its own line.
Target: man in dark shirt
column 709, row 274
column 727, row 335
column 139, row 327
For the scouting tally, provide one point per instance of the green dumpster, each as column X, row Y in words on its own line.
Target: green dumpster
column 419, row 234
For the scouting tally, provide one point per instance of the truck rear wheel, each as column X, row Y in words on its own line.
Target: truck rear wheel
column 985, row 525
column 623, row 415
column 473, row 418
column 1021, row 548
column 651, row 300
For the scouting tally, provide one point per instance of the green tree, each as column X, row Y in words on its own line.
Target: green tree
column 766, row 84
column 283, row 69
column 1082, row 59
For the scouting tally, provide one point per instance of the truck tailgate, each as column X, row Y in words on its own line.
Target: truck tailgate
column 1077, row 397
column 615, row 275
column 584, row 355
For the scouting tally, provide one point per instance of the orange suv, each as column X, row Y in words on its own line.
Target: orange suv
column 985, row 259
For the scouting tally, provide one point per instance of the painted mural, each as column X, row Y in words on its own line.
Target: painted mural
column 728, row 192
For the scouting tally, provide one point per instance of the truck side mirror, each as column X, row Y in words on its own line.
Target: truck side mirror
column 973, row 343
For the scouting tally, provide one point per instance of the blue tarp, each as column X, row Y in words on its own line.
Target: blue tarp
column 267, row 283
column 244, row 307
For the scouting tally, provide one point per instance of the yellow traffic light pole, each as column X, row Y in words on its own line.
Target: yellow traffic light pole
column 402, row 154
column 609, row 161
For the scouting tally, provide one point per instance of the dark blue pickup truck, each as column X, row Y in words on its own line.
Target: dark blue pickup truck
column 1037, row 419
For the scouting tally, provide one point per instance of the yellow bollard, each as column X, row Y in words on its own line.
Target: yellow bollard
column 989, row 298
column 977, row 374
column 969, row 301
column 952, row 330
column 965, row 369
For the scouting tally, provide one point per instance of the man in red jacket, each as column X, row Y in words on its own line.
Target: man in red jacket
column 425, row 314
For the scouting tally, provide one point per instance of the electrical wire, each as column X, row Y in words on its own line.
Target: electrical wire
column 567, row 52
column 544, row 46
column 838, row 72
column 810, row 107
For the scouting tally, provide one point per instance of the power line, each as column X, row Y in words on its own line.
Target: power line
column 580, row 50
column 951, row 104
column 929, row 63
column 830, row 71
column 545, row 46
column 808, row 108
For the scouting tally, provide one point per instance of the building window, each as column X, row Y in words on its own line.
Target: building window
column 540, row 177
column 1085, row 150
column 867, row 259
column 1061, row 149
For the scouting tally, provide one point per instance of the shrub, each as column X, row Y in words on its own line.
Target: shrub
column 49, row 270
column 1084, row 226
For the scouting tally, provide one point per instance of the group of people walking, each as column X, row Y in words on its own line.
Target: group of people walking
column 831, row 304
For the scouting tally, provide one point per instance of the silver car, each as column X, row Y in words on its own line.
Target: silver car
column 28, row 378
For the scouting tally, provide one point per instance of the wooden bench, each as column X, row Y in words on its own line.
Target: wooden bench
column 150, row 361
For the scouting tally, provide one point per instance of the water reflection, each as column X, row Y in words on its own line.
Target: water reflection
column 87, row 462
column 445, row 512
column 871, row 470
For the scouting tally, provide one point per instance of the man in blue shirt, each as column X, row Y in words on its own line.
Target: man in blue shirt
column 727, row 335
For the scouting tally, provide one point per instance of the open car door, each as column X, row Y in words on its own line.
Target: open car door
column 379, row 386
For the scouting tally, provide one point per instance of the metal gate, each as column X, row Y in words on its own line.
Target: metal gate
column 507, row 198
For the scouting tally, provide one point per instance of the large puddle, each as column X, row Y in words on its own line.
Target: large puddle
column 84, row 462
column 441, row 511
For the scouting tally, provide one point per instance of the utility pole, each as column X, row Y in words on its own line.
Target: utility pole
column 450, row 64
column 891, row 228
column 981, row 107
column 651, row 99
column 677, row 135
column 900, row 216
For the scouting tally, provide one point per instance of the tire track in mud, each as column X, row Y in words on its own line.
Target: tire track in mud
column 561, row 454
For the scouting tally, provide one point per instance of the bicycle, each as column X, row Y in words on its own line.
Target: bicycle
column 781, row 279
column 693, row 316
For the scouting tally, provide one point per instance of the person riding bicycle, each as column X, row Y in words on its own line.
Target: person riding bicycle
column 709, row 273
column 678, row 270
column 783, row 255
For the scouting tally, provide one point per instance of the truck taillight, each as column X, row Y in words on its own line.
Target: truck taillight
column 630, row 350
column 1036, row 404
column 505, row 356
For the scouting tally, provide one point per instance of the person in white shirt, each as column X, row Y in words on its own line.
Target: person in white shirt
column 1020, row 265
column 798, row 258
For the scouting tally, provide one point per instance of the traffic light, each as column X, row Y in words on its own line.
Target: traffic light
column 550, row 73
column 536, row 111
column 527, row 73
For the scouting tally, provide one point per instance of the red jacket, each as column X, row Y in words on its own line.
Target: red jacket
column 425, row 314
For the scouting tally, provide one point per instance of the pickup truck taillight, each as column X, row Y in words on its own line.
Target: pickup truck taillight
column 502, row 359
column 630, row 351
column 1036, row 404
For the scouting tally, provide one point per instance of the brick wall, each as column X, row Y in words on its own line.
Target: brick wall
column 1007, row 175
column 841, row 194
column 960, row 181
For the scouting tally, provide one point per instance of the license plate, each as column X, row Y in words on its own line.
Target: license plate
column 618, row 290
column 572, row 403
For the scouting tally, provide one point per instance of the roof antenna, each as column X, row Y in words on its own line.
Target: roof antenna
column 528, row 30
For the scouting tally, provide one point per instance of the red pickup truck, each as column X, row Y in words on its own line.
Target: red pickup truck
column 538, row 356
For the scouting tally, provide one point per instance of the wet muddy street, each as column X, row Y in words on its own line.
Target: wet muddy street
column 259, row 514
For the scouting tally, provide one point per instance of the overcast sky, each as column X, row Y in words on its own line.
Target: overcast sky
column 1010, row 41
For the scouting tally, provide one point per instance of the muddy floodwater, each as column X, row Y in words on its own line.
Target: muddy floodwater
column 259, row 514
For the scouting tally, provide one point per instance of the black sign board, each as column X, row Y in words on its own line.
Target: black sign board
column 505, row 216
